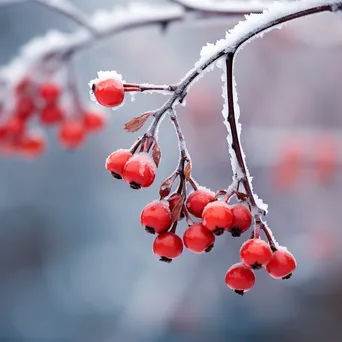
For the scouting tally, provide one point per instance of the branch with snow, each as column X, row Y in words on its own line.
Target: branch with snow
column 44, row 59
column 223, row 55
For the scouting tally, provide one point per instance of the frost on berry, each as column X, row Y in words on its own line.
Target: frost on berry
column 156, row 217
column 242, row 219
column 255, row 253
column 217, row 217
column 107, row 89
column 240, row 278
column 282, row 264
column 168, row 246
column 116, row 162
column 198, row 239
column 198, row 200
column 139, row 171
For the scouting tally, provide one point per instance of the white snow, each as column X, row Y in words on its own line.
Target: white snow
column 234, row 6
column 134, row 13
column 249, row 28
column 105, row 75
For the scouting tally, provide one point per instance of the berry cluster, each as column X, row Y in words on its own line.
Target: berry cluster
column 216, row 216
column 214, row 213
column 40, row 103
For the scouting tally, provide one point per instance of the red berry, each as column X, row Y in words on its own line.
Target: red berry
column 255, row 253
column 168, row 246
column 240, row 278
column 156, row 217
column 198, row 239
column 174, row 200
column 50, row 92
column 281, row 265
column 217, row 217
column 15, row 127
column 116, row 162
column 33, row 145
column 109, row 92
column 51, row 114
column 242, row 219
column 139, row 171
column 23, row 85
column 24, row 107
column 71, row 134
column 93, row 121
column 197, row 201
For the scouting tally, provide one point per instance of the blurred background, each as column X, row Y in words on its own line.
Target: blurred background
column 75, row 264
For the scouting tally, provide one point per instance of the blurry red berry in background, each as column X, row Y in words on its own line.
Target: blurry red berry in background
column 109, row 92
column 33, row 145
column 15, row 127
column 50, row 115
column 287, row 170
column 24, row 107
column 49, row 92
column 23, row 86
column 93, row 121
column 71, row 133
column 326, row 157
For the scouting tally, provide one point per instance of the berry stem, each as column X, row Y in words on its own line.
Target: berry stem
column 72, row 85
column 174, row 227
column 130, row 87
column 189, row 220
column 236, row 145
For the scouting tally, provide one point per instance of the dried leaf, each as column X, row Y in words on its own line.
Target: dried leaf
column 165, row 188
column 187, row 171
column 156, row 154
column 220, row 193
column 136, row 123
column 177, row 210
column 241, row 196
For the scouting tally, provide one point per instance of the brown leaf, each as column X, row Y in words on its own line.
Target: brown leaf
column 156, row 154
column 177, row 210
column 136, row 123
column 241, row 196
column 187, row 171
column 165, row 188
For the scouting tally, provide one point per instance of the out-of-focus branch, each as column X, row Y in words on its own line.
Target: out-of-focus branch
column 234, row 7
column 63, row 7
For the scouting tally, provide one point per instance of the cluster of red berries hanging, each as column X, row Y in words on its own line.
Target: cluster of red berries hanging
column 214, row 213
column 40, row 104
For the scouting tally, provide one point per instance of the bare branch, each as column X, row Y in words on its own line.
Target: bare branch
column 63, row 7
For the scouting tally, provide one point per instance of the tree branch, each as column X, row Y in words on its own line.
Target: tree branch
column 63, row 7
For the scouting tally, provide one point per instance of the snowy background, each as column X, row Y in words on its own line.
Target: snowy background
column 75, row 264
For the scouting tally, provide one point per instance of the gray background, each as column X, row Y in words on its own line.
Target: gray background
column 75, row 265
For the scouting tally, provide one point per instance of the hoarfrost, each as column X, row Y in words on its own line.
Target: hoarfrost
column 134, row 13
